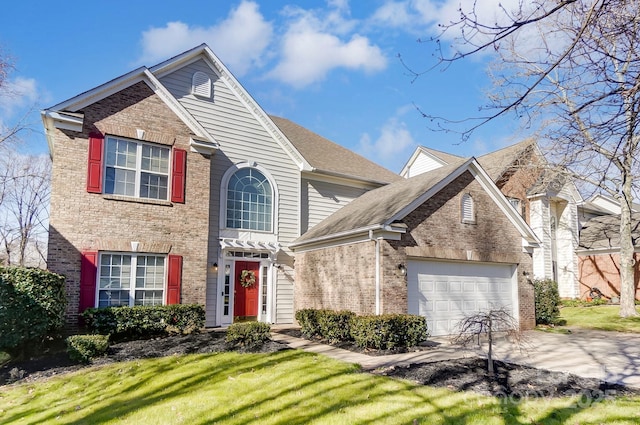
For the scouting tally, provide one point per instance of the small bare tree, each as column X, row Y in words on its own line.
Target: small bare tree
column 487, row 323
column 24, row 201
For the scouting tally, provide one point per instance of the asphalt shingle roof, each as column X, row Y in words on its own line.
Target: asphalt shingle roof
column 379, row 205
column 328, row 156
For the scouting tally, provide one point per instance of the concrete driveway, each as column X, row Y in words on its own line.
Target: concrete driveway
column 609, row 356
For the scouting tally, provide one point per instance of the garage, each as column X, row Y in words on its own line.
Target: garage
column 446, row 291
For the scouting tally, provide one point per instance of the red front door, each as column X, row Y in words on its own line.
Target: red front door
column 245, row 302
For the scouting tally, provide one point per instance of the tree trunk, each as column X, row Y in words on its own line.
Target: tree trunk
column 490, row 353
column 627, row 262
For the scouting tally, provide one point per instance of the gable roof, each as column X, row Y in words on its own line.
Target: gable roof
column 309, row 151
column 380, row 209
column 437, row 156
column 603, row 232
column 327, row 157
column 65, row 114
column 497, row 163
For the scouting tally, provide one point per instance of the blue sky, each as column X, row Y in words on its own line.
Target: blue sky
column 331, row 66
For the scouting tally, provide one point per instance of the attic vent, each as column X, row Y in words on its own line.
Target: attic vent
column 201, row 85
column 468, row 211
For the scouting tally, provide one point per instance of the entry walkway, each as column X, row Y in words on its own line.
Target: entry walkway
column 609, row 356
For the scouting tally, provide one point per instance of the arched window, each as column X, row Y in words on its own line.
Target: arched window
column 201, row 85
column 249, row 201
column 468, row 209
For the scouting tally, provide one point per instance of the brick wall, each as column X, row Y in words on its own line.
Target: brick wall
column 337, row 278
column 82, row 221
column 344, row 277
column 603, row 272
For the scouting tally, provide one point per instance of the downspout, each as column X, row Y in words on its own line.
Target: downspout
column 377, row 248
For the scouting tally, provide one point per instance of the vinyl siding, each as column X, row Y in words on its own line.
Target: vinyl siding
column 242, row 138
column 422, row 164
column 321, row 199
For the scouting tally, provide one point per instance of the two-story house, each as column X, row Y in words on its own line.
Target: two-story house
column 172, row 185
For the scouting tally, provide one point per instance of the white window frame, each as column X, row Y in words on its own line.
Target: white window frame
column 138, row 168
column 132, row 278
column 224, row 187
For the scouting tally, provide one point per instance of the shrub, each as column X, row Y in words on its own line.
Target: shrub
column 144, row 321
column 389, row 331
column 547, row 301
column 84, row 348
column 335, row 326
column 32, row 306
column 248, row 334
column 308, row 320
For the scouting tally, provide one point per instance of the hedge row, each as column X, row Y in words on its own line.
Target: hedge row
column 84, row 348
column 248, row 335
column 32, row 306
column 379, row 332
column 144, row 321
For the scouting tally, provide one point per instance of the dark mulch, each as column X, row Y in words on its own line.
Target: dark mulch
column 510, row 380
column 57, row 362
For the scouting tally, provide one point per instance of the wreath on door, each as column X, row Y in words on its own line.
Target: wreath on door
column 247, row 278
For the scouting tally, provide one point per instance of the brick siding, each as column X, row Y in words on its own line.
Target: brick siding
column 344, row 277
column 82, row 221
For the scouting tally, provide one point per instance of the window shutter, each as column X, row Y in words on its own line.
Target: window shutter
column 88, row 273
column 174, row 280
column 178, row 175
column 94, row 168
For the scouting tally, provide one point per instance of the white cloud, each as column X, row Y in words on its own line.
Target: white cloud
column 17, row 94
column 316, row 43
column 426, row 16
column 391, row 144
column 240, row 40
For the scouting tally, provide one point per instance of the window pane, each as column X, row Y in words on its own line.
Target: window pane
column 249, row 198
column 153, row 186
column 122, row 175
column 113, row 298
column 148, row 298
column 115, row 271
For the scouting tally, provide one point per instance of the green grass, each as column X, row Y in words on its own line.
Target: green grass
column 289, row 387
column 604, row 318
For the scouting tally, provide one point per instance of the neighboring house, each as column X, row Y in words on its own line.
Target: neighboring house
column 599, row 250
column 442, row 244
column 548, row 205
column 171, row 184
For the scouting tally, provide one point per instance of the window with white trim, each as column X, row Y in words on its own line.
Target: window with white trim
column 128, row 279
column 136, row 169
column 249, row 201
column 468, row 211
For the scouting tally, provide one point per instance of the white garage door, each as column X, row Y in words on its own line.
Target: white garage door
column 445, row 292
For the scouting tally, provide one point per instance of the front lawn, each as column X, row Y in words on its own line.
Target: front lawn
column 286, row 387
column 604, row 317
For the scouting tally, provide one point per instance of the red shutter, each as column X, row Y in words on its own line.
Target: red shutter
column 94, row 168
column 174, row 279
column 178, row 174
column 88, row 274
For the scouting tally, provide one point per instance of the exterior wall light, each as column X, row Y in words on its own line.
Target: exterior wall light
column 402, row 270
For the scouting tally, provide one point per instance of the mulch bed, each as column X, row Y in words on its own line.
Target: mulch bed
column 512, row 381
